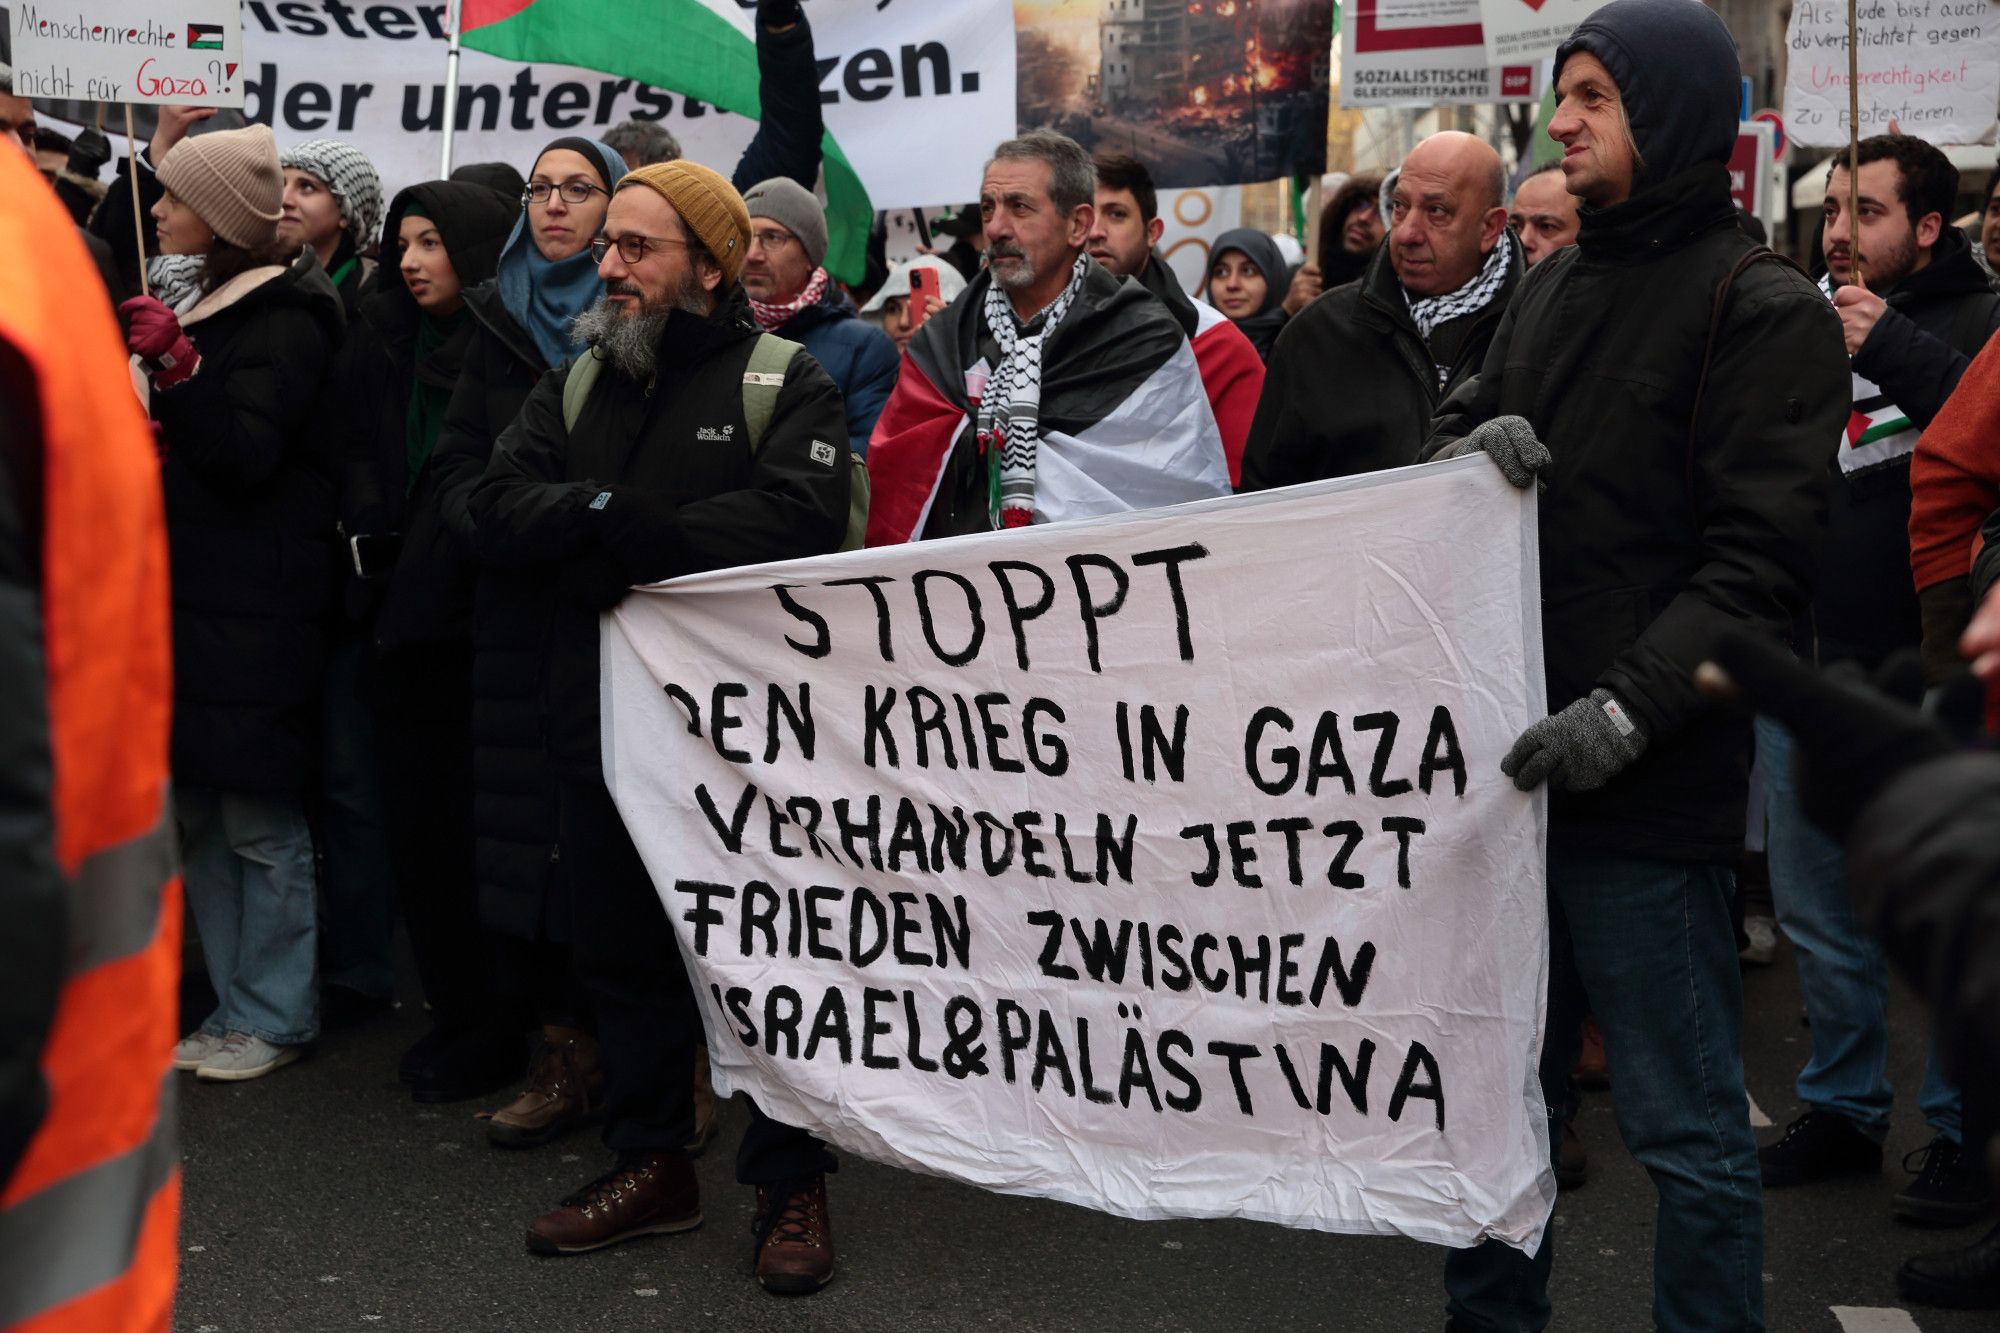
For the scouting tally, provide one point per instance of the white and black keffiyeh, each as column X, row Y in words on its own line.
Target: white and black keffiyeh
column 1475, row 295
column 1008, row 426
column 352, row 178
column 175, row 280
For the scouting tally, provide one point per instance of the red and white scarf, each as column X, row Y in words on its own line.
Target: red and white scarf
column 776, row 314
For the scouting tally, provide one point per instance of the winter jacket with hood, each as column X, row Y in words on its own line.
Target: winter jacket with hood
column 1662, row 524
column 541, row 505
column 426, row 598
column 861, row 359
column 1937, row 320
column 250, row 495
column 1351, row 385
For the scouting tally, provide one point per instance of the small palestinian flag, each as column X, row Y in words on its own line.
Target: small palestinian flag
column 1878, row 431
column 204, row 37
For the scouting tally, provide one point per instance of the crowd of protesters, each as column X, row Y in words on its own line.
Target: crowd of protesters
column 411, row 449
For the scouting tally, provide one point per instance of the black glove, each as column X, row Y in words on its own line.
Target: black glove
column 1852, row 738
column 637, row 533
column 88, row 153
column 593, row 580
column 778, row 13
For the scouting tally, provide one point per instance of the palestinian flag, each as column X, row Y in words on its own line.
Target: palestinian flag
column 204, row 37
column 1124, row 419
column 704, row 49
column 1878, row 432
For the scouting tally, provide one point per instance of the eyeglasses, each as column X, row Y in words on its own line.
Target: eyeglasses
column 573, row 192
column 772, row 240
column 631, row 249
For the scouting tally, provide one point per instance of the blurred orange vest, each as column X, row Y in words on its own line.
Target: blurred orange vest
column 88, row 1220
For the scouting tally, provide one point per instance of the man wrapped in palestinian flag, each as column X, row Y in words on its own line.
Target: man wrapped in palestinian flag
column 1051, row 389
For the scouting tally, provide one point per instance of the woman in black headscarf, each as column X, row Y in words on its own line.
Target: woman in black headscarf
column 1246, row 281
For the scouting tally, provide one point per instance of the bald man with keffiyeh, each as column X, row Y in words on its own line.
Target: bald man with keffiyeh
column 1051, row 389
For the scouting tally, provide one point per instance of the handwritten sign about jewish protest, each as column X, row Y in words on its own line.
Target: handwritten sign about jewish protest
column 129, row 51
column 1932, row 66
column 1158, row 863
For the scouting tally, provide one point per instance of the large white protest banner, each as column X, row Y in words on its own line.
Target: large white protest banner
column 1159, row 863
column 1425, row 53
column 1932, row 66
column 146, row 51
column 1529, row 30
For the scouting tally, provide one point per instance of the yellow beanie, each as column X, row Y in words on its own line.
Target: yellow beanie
column 709, row 207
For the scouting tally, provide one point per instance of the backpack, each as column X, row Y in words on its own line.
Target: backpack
column 762, row 379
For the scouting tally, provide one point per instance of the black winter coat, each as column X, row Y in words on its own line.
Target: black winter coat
column 698, row 506
column 250, row 498
column 515, row 854
column 1651, row 543
column 1938, row 319
column 1351, row 387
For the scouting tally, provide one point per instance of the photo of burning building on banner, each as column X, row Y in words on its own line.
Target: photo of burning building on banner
column 1208, row 92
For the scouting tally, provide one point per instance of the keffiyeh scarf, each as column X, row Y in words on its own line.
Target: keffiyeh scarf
column 1009, row 425
column 1431, row 311
column 776, row 314
column 175, row 280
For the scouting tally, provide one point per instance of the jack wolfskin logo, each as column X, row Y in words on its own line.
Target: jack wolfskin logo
column 715, row 434
column 823, row 453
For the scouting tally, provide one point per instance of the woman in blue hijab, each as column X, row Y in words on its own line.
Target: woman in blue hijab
column 547, row 277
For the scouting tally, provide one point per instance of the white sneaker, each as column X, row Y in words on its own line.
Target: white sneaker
column 1761, row 932
column 242, row 1056
column 195, row 1047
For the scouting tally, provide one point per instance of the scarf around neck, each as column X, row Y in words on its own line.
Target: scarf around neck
column 1008, row 427
column 1475, row 295
column 776, row 314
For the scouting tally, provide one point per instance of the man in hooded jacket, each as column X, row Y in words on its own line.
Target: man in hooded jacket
column 1686, row 493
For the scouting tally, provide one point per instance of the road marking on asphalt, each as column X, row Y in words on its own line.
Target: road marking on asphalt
column 1758, row 1120
column 1866, row 1319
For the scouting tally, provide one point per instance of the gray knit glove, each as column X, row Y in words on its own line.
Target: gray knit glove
column 1579, row 749
column 1510, row 442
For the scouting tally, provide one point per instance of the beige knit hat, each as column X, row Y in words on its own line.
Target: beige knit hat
column 709, row 207
column 232, row 181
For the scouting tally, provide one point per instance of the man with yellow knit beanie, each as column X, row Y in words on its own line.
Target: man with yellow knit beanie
column 653, row 474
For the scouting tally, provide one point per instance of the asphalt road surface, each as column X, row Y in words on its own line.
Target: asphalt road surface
column 322, row 1198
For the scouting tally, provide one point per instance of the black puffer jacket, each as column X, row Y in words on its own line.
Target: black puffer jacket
column 1351, row 386
column 250, row 494
column 427, row 597
column 538, row 506
column 514, row 806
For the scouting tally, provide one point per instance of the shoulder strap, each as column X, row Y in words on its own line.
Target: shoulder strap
column 582, row 375
column 1756, row 254
column 762, row 378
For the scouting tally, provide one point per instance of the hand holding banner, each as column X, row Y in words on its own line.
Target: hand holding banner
column 1159, row 863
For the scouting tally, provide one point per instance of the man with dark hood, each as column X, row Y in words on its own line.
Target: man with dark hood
column 1685, row 495
column 1350, row 232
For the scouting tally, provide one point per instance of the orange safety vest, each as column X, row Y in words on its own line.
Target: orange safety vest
column 88, row 1220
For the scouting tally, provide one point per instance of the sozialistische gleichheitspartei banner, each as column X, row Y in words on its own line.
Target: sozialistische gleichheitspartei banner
column 1160, row 863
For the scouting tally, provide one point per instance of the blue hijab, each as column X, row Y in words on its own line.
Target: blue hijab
column 544, row 297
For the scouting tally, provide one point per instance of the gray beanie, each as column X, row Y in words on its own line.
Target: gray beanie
column 793, row 207
column 232, row 182
column 351, row 177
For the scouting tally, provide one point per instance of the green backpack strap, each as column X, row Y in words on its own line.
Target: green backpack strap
column 762, row 378
column 582, row 375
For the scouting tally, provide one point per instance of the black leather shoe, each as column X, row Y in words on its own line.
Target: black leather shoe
column 1967, row 1279
column 471, row 1062
column 1819, row 1145
column 1949, row 1190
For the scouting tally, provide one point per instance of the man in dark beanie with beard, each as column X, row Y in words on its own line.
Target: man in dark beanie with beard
column 661, row 451
column 1675, row 397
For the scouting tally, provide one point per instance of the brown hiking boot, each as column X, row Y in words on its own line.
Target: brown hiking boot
column 704, row 1103
column 794, row 1236
column 646, row 1194
column 562, row 1093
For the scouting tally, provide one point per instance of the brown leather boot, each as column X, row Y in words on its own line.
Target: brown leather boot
column 794, row 1236
column 647, row 1194
column 563, row 1092
column 704, row 1103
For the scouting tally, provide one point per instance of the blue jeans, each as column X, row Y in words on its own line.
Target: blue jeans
column 1842, row 973
column 1655, row 952
column 247, row 863
column 358, row 895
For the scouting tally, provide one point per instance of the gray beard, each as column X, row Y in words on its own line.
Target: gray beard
column 631, row 343
column 1022, row 276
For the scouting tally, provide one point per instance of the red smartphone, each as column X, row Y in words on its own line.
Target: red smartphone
column 923, row 286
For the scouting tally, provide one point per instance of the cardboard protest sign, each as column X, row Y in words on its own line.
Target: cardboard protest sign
column 1160, row 863
column 1932, row 66
column 1529, row 30
column 129, row 51
column 1425, row 53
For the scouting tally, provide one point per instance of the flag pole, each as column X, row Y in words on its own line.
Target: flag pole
column 138, row 224
column 1854, row 144
column 455, row 12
